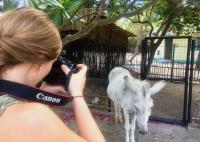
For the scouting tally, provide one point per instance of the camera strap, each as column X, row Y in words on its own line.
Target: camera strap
column 28, row 93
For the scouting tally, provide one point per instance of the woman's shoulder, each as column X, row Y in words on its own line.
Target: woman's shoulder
column 31, row 120
column 25, row 108
column 36, row 122
column 29, row 112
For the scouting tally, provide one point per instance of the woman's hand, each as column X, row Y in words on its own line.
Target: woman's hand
column 77, row 80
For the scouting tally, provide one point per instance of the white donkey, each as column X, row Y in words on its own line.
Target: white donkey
column 134, row 97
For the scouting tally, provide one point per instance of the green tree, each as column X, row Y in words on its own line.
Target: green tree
column 163, row 16
column 153, row 17
column 62, row 12
column 67, row 12
column 173, row 14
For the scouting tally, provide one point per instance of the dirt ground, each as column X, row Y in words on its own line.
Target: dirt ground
column 158, row 132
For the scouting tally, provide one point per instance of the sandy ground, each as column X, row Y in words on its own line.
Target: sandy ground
column 158, row 132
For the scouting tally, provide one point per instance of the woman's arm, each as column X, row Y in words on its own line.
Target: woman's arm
column 87, row 126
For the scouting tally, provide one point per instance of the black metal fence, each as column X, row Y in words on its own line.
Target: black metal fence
column 169, row 61
column 174, row 61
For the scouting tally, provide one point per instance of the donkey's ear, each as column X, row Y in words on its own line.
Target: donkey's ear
column 137, row 107
column 156, row 87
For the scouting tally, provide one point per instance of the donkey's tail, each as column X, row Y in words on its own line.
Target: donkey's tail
column 156, row 87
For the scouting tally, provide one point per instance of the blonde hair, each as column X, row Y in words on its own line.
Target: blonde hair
column 27, row 35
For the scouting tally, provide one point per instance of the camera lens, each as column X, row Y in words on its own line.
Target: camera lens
column 56, row 76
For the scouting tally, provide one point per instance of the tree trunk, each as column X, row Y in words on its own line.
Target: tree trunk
column 168, row 48
column 157, row 43
column 150, row 59
column 198, row 61
column 139, row 43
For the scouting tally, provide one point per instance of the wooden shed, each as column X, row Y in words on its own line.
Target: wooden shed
column 102, row 49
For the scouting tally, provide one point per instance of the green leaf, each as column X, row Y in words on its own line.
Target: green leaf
column 53, row 3
column 9, row 4
column 34, row 3
column 57, row 19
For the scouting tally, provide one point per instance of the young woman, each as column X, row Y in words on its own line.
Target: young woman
column 29, row 44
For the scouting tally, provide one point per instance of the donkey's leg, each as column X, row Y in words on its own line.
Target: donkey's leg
column 127, row 124
column 133, row 124
column 120, row 115
column 116, row 113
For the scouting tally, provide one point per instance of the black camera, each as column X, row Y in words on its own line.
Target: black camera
column 56, row 76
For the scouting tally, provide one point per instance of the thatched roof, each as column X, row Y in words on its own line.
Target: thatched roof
column 110, row 33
